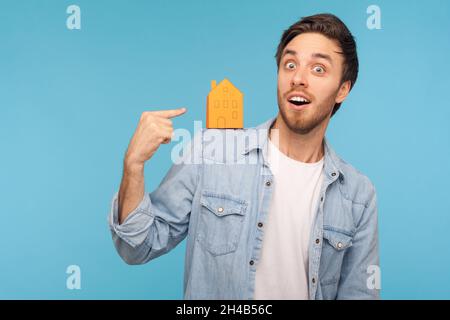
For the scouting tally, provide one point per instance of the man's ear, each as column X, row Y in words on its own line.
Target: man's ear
column 343, row 91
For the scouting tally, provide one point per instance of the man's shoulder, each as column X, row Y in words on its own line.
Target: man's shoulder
column 221, row 143
column 357, row 186
column 226, row 145
column 238, row 132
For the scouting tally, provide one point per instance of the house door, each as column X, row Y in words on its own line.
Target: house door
column 221, row 123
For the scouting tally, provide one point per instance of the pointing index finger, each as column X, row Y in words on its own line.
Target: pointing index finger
column 171, row 113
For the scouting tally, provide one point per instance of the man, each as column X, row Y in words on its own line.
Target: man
column 285, row 218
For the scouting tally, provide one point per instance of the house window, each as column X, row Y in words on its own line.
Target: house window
column 225, row 103
column 216, row 103
column 234, row 115
column 225, row 89
column 234, row 104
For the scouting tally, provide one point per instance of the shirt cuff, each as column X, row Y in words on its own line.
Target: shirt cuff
column 134, row 229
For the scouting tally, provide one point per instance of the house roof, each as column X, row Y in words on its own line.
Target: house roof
column 224, row 82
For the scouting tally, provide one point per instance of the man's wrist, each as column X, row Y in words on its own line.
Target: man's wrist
column 133, row 167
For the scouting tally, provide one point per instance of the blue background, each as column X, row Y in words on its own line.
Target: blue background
column 70, row 101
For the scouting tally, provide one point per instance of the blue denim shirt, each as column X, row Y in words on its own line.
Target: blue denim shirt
column 218, row 203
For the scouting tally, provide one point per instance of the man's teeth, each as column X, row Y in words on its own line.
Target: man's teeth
column 298, row 99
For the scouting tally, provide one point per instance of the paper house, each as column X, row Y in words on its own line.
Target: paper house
column 224, row 106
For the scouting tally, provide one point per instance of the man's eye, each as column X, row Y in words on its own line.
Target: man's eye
column 319, row 69
column 290, row 65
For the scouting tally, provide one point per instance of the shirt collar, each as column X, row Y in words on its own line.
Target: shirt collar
column 332, row 167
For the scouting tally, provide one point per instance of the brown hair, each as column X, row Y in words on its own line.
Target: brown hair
column 333, row 28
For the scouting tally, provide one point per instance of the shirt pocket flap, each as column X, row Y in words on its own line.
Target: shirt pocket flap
column 222, row 205
column 337, row 239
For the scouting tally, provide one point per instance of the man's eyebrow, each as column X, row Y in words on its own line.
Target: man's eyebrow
column 322, row 56
column 289, row 51
column 314, row 55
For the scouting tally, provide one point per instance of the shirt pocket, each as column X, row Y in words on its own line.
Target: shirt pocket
column 221, row 222
column 335, row 243
column 338, row 240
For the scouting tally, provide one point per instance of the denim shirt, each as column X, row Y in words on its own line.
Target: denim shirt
column 220, row 204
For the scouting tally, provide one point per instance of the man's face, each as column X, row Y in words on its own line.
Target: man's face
column 310, row 67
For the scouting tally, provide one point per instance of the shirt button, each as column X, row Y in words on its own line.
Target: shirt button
column 220, row 209
column 321, row 198
column 317, row 241
column 260, row 224
column 339, row 245
column 313, row 280
column 252, row 262
column 268, row 183
column 333, row 174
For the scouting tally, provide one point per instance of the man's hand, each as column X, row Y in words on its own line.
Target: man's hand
column 154, row 128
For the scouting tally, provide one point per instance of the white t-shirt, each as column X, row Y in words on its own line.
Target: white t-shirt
column 282, row 271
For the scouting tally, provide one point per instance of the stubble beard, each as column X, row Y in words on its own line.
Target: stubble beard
column 302, row 121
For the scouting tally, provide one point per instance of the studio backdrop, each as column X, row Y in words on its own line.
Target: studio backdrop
column 75, row 77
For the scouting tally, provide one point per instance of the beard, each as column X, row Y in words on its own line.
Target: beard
column 304, row 121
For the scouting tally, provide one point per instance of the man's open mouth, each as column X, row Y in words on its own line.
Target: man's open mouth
column 299, row 101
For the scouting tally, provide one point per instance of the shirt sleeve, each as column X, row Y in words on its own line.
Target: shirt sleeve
column 161, row 219
column 360, row 273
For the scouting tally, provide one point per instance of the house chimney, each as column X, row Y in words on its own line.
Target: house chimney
column 213, row 84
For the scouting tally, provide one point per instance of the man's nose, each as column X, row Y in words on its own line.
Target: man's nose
column 300, row 78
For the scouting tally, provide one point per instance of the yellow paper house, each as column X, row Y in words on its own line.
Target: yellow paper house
column 224, row 106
